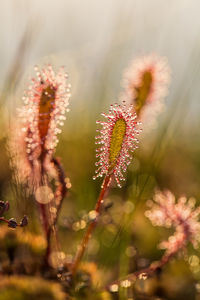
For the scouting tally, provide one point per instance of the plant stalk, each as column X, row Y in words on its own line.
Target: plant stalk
column 47, row 231
column 60, row 193
column 149, row 271
column 91, row 227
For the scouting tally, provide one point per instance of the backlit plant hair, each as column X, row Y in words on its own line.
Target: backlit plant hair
column 145, row 85
column 180, row 215
column 33, row 143
column 117, row 139
column 45, row 103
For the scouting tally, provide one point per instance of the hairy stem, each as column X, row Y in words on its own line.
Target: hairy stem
column 91, row 227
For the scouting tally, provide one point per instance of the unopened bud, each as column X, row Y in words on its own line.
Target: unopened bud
column 24, row 221
column 12, row 223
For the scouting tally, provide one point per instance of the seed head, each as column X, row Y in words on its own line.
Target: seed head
column 118, row 138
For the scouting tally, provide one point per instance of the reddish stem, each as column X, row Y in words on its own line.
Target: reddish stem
column 59, row 195
column 4, row 220
column 147, row 271
column 47, row 231
column 91, row 227
column 62, row 189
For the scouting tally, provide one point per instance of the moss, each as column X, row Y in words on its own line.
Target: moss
column 13, row 238
column 20, row 250
column 29, row 288
column 90, row 268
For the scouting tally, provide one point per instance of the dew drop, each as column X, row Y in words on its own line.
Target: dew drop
column 44, row 194
column 114, row 288
column 143, row 276
column 126, row 283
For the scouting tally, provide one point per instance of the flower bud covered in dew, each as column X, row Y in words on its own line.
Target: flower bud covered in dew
column 117, row 139
column 145, row 84
column 40, row 119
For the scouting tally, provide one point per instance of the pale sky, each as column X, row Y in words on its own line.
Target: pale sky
column 81, row 34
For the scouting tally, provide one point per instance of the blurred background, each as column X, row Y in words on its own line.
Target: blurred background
column 95, row 41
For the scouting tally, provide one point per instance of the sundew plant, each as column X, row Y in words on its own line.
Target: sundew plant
column 98, row 210
column 72, row 272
